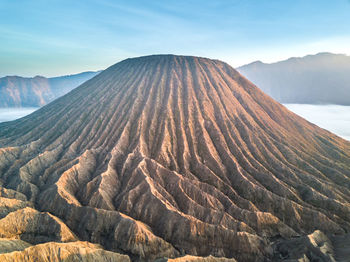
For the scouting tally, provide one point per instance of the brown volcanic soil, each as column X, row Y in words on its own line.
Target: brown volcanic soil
column 163, row 156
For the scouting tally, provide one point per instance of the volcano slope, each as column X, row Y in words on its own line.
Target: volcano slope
column 166, row 156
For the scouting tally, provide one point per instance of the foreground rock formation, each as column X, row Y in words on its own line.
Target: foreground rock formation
column 165, row 156
column 74, row 251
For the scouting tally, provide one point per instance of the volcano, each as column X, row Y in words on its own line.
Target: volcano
column 169, row 156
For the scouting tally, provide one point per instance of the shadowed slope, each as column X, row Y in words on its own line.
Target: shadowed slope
column 186, row 154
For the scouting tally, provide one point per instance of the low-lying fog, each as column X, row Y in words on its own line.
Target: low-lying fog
column 8, row 114
column 334, row 118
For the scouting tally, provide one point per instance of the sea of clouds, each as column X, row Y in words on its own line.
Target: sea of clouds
column 334, row 118
column 8, row 114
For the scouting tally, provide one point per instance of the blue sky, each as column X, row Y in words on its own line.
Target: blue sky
column 55, row 37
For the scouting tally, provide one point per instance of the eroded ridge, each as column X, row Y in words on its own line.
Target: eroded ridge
column 163, row 156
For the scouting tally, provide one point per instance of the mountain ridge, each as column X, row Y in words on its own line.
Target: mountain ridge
column 165, row 156
column 313, row 79
column 17, row 91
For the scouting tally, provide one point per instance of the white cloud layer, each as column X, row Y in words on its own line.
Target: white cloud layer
column 8, row 114
column 334, row 118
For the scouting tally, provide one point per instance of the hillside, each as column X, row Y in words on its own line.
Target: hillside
column 165, row 156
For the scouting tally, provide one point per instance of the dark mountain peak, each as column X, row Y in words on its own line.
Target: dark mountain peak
column 315, row 57
column 325, row 54
column 38, row 77
column 14, row 77
column 253, row 64
column 329, row 54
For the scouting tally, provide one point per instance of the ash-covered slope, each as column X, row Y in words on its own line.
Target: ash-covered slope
column 163, row 156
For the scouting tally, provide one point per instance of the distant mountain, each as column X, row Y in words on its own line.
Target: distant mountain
column 323, row 78
column 16, row 91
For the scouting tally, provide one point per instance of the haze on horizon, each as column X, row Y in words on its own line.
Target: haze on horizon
column 66, row 37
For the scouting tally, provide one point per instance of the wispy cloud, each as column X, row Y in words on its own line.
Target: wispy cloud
column 105, row 30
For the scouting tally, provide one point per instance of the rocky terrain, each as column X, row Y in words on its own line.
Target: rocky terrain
column 172, row 157
column 314, row 79
column 16, row 91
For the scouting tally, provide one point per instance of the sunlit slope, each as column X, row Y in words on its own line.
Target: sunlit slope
column 162, row 156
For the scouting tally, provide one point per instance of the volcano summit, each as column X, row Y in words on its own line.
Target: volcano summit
column 166, row 156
